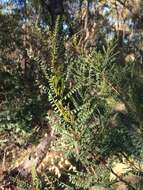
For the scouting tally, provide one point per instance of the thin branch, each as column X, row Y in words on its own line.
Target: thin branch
column 120, row 177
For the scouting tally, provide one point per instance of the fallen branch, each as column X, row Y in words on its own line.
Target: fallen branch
column 23, row 170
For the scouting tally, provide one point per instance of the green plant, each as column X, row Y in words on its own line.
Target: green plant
column 82, row 93
column 91, row 132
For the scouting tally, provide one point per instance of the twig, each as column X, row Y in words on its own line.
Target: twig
column 120, row 177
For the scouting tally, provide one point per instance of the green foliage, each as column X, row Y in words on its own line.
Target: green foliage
column 82, row 91
column 91, row 133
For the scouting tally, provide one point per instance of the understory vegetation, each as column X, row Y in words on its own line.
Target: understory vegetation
column 71, row 96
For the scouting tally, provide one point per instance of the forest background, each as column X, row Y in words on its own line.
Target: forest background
column 71, row 94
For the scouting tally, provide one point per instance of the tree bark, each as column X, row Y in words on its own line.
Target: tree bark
column 54, row 7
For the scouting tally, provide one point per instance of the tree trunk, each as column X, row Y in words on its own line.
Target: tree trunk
column 54, row 7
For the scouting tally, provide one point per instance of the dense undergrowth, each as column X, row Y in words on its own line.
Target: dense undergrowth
column 90, row 102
